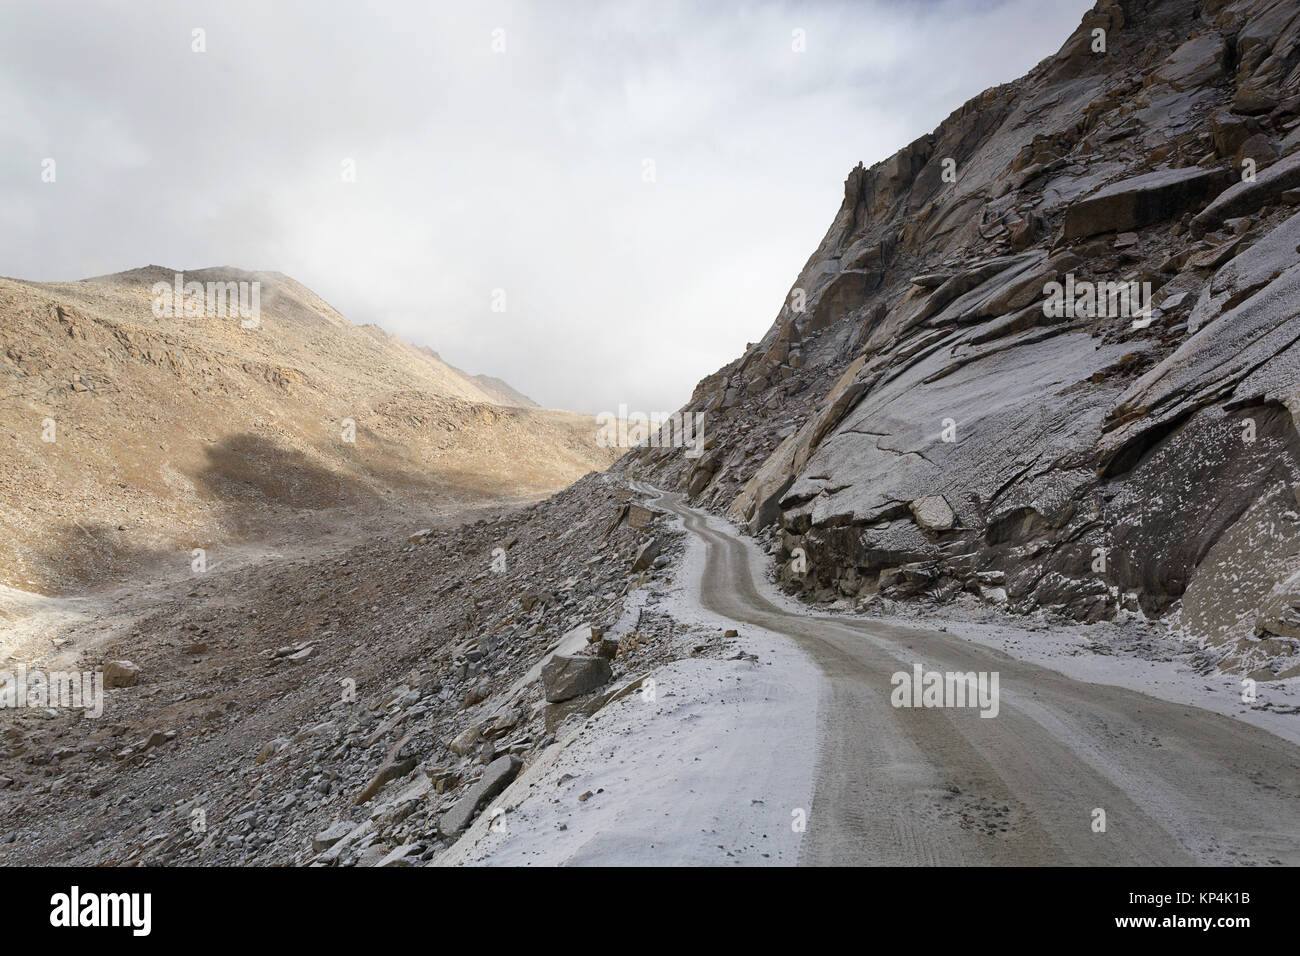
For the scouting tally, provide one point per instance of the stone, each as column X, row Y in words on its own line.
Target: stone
column 994, row 595
column 390, row 770
column 496, row 777
column 501, row 725
column 1257, row 148
column 271, row 748
column 1196, row 63
column 120, row 674
column 465, row 740
column 639, row 517
column 1247, row 197
column 1253, row 102
column 400, row 855
column 933, row 513
column 1229, row 132
column 531, row 599
column 698, row 482
column 566, row 676
column 331, row 835
column 1143, row 200
column 646, row 555
column 908, row 580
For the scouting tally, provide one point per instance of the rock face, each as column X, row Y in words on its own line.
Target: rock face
column 929, row 417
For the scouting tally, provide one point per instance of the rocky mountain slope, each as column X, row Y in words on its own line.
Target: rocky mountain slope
column 133, row 438
column 362, row 704
column 353, row 707
column 921, row 423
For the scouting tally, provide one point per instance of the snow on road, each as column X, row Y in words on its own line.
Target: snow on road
column 719, row 764
column 717, row 769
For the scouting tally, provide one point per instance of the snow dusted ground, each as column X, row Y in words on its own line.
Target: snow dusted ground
column 712, row 769
column 1087, row 653
column 1133, row 653
column 709, row 772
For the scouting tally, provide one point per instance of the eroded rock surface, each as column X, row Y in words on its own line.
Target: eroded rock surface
column 1099, row 458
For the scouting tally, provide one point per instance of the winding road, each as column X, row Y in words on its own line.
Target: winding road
column 943, row 785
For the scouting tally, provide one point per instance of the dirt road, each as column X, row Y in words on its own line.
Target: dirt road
column 943, row 785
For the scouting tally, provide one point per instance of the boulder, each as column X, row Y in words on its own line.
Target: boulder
column 1143, row 200
column 639, row 517
column 908, row 580
column 120, row 674
column 531, row 599
column 565, row 676
column 465, row 740
column 933, row 513
column 1247, row 197
column 1196, row 63
column 391, row 770
column 496, row 777
column 400, row 856
column 330, row 835
column 1230, row 131
column 645, row 557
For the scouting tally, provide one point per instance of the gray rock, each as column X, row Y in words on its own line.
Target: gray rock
column 1143, row 200
column 933, row 513
column 331, row 835
column 566, row 676
column 465, row 740
column 645, row 557
column 400, row 856
column 496, row 777
column 1245, row 197
column 120, row 674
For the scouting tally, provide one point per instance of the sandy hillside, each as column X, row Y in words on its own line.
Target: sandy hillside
column 175, row 433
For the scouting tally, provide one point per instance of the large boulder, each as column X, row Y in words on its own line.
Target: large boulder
column 565, row 676
column 1246, row 197
column 496, row 777
column 120, row 674
column 331, row 835
column 933, row 513
column 645, row 557
column 1143, row 200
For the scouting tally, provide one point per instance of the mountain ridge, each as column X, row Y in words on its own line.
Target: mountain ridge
column 172, row 432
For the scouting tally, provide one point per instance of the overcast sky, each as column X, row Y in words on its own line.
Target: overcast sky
column 522, row 170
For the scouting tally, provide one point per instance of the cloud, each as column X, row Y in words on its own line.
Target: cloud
column 477, row 170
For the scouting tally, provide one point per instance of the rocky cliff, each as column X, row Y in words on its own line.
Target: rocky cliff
column 965, row 396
